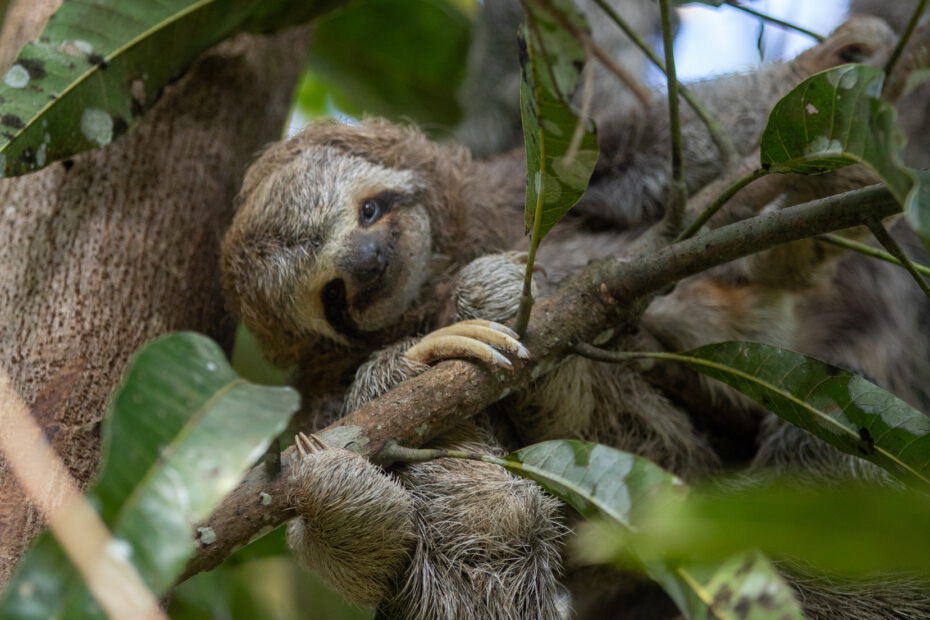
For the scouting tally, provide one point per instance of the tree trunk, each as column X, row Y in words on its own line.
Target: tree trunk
column 102, row 252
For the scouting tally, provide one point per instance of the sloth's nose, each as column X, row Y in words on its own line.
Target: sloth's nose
column 365, row 260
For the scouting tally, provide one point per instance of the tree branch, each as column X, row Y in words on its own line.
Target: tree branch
column 604, row 297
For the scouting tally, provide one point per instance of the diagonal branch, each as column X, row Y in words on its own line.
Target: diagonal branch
column 604, row 297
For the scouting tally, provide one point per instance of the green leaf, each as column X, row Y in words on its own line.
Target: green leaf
column 840, row 407
column 594, row 479
column 625, row 489
column 410, row 70
column 849, row 531
column 552, row 60
column 833, row 119
column 99, row 64
column 182, row 430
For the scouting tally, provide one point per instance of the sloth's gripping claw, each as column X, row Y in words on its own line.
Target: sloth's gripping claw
column 475, row 339
column 309, row 444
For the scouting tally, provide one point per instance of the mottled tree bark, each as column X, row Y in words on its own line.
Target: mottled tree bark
column 103, row 252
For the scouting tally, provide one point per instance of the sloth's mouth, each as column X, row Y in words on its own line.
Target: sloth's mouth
column 338, row 315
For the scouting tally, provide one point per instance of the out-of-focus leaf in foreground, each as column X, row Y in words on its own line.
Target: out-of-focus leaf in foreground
column 182, row 430
column 847, row 531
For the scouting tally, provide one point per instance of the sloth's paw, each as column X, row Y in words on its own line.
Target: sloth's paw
column 478, row 339
column 490, row 287
column 354, row 524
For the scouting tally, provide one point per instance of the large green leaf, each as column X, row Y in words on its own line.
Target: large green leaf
column 849, row 531
column 410, row 70
column 182, row 430
column 625, row 489
column 837, row 406
column 99, row 64
column 833, row 119
column 552, row 62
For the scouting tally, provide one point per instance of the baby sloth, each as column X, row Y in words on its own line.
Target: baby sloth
column 351, row 242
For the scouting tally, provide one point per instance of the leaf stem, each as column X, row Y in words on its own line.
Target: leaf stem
column 867, row 250
column 881, row 233
column 720, row 201
column 526, row 297
column 714, row 128
column 905, row 37
column 775, row 21
column 678, row 189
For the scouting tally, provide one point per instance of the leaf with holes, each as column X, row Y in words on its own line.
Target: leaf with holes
column 552, row 58
column 182, row 430
column 99, row 64
column 833, row 119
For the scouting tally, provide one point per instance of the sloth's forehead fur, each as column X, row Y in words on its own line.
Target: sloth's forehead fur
column 322, row 188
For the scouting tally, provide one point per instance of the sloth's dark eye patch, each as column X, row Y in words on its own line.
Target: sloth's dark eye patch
column 374, row 207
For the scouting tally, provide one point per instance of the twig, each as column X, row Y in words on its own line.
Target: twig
column 84, row 538
column 905, row 37
column 643, row 94
column 718, row 203
column 775, row 21
column 714, row 128
column 678, row 188
column 602, row 297
column 881, row 233
column 861, row 248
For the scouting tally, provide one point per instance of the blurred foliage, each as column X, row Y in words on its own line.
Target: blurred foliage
column 400, row 59
column 168, row 459
column 851, row 530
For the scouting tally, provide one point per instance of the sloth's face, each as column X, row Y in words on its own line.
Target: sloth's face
column 341, row 245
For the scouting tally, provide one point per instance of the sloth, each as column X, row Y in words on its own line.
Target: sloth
column 351, row 242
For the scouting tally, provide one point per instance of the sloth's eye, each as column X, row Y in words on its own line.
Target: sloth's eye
column 371, row 211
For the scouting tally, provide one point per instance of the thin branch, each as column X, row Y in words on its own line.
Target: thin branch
column 643, row 94
column 881, row 233
column 603, row 297
column 678, row 188
column 867, row 250
column 718, row 203
column 714, row 128
column 775, row 21
column 905, row 37
column 84, row 538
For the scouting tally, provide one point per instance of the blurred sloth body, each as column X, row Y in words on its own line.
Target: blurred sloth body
column 352, row 242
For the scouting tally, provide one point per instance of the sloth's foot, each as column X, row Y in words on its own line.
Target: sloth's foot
column 354, row 525
column 473, row 339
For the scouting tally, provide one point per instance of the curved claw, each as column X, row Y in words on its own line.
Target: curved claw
column 309, row 444
column 475, row 339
